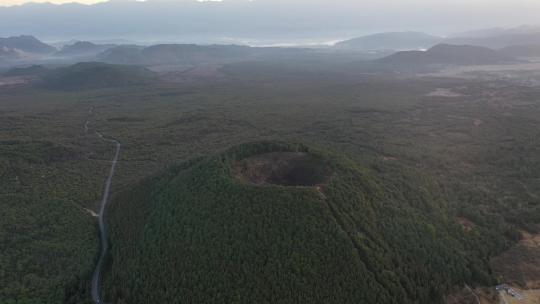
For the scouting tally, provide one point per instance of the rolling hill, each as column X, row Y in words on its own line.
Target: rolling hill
column 82, row 48
column 446, row 54
column 90, row 75
column 194, row 54
column 391, row 41
column 529, row 50
column 123, row 54
column 27, row 44
column 174, row 53
column 271, row 222
column 495, row 38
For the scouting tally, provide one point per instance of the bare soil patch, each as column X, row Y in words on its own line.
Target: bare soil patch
column 520, row 265
column 466, row 224
column 444, row 93
column 473, row 296
column 283, row 168
column 528, row 296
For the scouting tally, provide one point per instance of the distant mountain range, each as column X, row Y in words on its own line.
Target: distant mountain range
column 491, row 38
column 30, row 50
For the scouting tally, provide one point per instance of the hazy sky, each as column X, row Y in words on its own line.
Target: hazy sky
column 185, row 19
column 16, row 2
column 430, row 3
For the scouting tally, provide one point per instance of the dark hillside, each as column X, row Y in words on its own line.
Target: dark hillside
column 174, row 53
column 124, row 54
column 28, row 44
column 91, row 75
column 195, row 54
column 446, row 54
column 192, row 53
column 527, row 50
column 82, row 48
column 33, row 70
column 202, row 233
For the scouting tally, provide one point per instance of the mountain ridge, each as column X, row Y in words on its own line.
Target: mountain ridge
column 391, row 41
column 26, row 43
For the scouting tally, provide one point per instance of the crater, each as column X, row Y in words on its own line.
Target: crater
column 284, row 169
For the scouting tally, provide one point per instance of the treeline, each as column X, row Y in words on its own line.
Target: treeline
column 381, row 235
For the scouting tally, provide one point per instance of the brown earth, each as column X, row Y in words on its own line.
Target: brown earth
column 520, row 265
column 466, row 224
column 469, row 296
column 282, row 168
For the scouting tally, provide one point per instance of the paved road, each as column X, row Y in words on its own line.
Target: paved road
column 96, row 277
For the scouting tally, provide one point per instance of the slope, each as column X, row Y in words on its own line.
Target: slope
column 280, row 223
column 446, row 54
column 27, row 44
column 391, row 41
column 91, row 75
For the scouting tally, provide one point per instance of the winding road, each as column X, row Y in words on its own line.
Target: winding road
column 96, row 277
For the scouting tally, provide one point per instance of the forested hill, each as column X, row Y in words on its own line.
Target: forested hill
column 281, row 223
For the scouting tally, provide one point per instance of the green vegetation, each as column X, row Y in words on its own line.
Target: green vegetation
column 470, row 160
column 50, row 178
column 198, row 235
column 95, row 75
column 48, row 240
column 48, row 250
